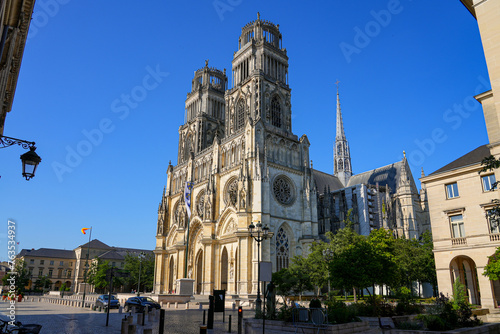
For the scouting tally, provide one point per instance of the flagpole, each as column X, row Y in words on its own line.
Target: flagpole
column 187, row 249
column 86, row 268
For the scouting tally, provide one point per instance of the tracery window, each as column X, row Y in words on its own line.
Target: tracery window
column 240, row 115
column 341, row 166
column 283, row 190
column 276, row 112
column 282, row 249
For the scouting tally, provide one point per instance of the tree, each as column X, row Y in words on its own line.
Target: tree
column 19, row 277
column 492, row 269
column 146, row 265
column 317, row 266
column 99, row 275
column 43, row 283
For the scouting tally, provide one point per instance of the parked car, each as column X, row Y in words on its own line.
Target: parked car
column 141, row 303
column 102, row 301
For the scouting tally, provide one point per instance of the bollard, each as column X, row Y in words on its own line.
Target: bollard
column 240, row 320
column 140, row 318
column 176, row 304
column 124, row 329
column 162, row 321
column 203, row 329
column 234, row 306
column 210, row 322
column 204, row 316
column 132, row 329
column 187, row 306
column 229, row 325
column 168, row 305
column 200, row 307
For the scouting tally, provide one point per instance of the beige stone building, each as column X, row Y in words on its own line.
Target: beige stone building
column 238, row 148
column 68, row 266
column 15, row 17
column 459, row 197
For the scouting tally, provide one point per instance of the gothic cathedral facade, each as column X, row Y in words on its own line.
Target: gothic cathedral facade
column 238, row 148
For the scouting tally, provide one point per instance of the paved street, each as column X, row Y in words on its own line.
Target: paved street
column 58, row 319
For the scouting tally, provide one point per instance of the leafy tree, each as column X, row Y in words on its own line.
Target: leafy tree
column 43, row 283
column 21, row 276
column 489, row 164
column 317, row 266
column 383, row 242
column 99, row 274
column 492, row 269
column 146, row 265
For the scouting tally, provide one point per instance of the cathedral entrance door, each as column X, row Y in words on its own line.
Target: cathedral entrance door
column 199, row 272
column 223, row 269
column 171, row 275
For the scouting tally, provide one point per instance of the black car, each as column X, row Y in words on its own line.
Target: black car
column 140, row 303
column 102, row 301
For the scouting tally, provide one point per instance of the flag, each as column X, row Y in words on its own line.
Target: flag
column 84, row 229
column 187, row 197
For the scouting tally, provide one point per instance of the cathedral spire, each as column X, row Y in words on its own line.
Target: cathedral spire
column 341, row 153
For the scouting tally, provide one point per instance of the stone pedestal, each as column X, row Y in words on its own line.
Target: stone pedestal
column 185, row 286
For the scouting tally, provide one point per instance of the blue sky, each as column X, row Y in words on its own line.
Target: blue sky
column 102, row 88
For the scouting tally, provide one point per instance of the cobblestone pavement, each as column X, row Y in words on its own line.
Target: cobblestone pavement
column 58, row 319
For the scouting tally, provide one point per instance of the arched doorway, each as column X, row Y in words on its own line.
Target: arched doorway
column 463, row 268
column 223, row 269
column 199, row 272
column 171, row 275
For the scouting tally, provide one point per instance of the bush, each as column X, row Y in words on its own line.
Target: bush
column 315, row 303
column 339, row 313
column 409, row 325
column 285, row 313
column 433, row 322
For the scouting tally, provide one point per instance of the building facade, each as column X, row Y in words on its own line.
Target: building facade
column 459, row 197
column 247, row 166
column 68, row 266
column 15, row 18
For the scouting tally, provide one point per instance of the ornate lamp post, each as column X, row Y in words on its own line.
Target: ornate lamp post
column 29, row 159
column 259, row 234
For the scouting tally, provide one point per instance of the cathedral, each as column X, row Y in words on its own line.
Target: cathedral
column 247, row 166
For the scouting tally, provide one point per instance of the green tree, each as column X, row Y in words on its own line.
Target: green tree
column 99, row 275
column 317, row 266
column 43, row 283
column 20, row 276
column 383, row 244
column 489, row 164
column 146, row 264
column 492, row 269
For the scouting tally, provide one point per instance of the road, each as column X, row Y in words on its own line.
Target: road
column 59, row 319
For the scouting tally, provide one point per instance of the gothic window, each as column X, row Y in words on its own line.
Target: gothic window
column 283, row 190
column 187, row 147
column 240, row 115
column 282, row 250
column 339, row 149
column 231, row 195
column 341, row 166
column 276, row 112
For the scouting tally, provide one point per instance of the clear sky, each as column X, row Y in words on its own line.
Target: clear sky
column 102, row 88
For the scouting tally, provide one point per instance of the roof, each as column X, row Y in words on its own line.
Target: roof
column 325, row 180
column 387, row 175
column 471, row 158
column 48, row 252
column 95, row 244
column 111, row 255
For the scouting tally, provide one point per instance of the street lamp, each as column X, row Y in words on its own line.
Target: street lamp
column 141, row 255
column 30, row 159
column 262, row 233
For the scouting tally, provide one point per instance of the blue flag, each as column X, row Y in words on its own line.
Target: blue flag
column 187, row 197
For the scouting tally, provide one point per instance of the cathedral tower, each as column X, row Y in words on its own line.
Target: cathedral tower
column 341, row 153
column 260, row 79
column 205, row 112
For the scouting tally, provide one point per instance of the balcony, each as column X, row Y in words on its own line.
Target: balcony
column 459, row 241
column 495, row 237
